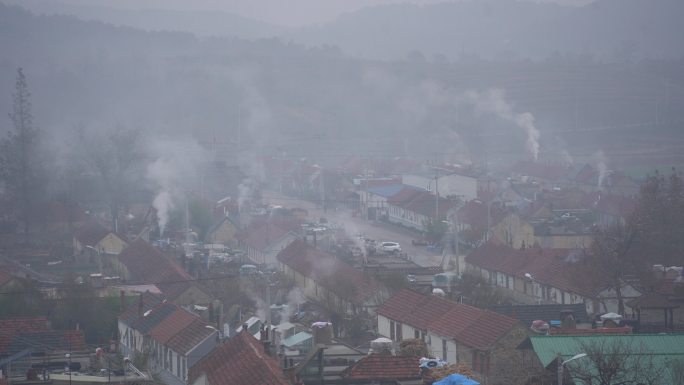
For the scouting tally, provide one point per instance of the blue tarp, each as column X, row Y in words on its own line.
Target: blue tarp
column 456, row 379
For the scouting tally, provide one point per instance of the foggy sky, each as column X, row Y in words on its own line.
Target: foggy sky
column 292, row 13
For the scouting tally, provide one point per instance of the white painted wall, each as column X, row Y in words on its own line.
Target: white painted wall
column 435, row 346
column 448, row 185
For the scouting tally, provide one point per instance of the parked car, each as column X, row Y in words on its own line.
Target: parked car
column 390, row 247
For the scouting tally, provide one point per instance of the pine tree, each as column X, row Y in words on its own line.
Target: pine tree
column 19, row 154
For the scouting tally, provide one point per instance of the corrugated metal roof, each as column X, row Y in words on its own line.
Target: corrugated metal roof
column 387, row 191
column 662, row 346
column 297, row 339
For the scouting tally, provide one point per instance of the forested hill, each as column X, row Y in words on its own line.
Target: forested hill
column 274, row 96
column 609, row 30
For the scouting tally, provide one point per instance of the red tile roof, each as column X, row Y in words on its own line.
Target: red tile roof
column 587, row 175
column 17, row 333
column 547, row 171
column 614, row 205
column 24, row 324
column 5, row 278
column 370, row 183
column 466, row 324
column 265, row 236
column 475, row 214
column 547, row 266
column 404, row 196
column 321, row 266
column 180, row 330
column 130, row 315
column 173, row 324
column 421, row 202
column 91, row 233
column 147, row 264
column 241, row 360
column 377, row 367
column 191, row 336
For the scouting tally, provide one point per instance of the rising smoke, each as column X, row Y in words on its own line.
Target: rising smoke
column 173, row 174
column 494, row 101
column 601, row 167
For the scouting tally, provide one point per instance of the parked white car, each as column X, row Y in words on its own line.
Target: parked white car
column 390, row 247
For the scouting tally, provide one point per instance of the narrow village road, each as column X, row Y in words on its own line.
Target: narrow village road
column 378, row 231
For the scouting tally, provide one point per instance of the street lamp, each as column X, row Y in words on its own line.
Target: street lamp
column 99, row 257
column 561, row 365
column 531, row 279
column 218, row 332
column 68, row 357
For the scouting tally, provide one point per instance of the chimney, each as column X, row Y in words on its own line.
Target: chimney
column 140, row 306
column 567, row 318
column 322, row 333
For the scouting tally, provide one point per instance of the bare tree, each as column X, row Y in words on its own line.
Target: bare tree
column 20, row 166
column 616, row 362
column 676, row 371
column 117, row 159
column 612, row 257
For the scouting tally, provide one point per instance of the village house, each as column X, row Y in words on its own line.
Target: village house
column 513, row 230
column 263, row 241
column 171, row 338
column 541, row 174
column 537, row 275
column 23, row 338
column 223, row 232
column 241, row 360
column 8, row 282
column 590, row 179
column 449, row 183
column 384, row 369
column 374, row 200
column 454, row 332
column 55, row 216
column 143, row 263
column 415, row 208
column 94, row 238
column 330, row 281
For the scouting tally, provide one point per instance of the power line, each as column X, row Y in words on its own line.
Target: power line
column 37, row 291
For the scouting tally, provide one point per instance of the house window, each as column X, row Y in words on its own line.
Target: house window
column 399, row 332
column 183, row 372
column 480, row 362
column 444, row 350
column 178, row 361
column 392, row 335
column 416, row 334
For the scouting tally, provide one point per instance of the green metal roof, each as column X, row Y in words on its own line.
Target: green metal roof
column 547, row 348
column 661, row 349
column 297, row 339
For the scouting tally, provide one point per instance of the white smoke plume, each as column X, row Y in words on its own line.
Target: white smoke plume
column 163, row 204
column 494, row 101
column 295, row 297
column 173, row 172
column 567, row 158
column 602, row 167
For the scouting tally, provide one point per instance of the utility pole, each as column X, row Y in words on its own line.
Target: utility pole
column 436, row 195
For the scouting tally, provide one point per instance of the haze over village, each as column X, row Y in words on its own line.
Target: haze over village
column 341, row 192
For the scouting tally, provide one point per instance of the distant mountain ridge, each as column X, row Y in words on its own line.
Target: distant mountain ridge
column 607, row 30
column 611, row 30
column 201, row 23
